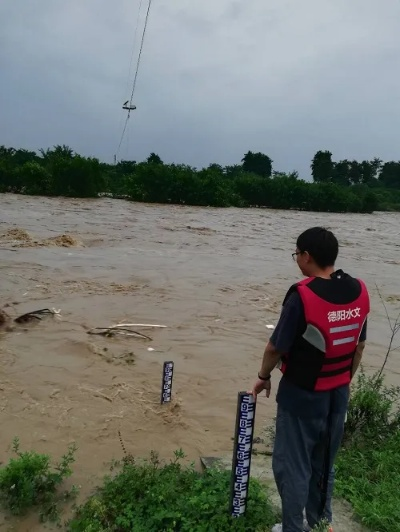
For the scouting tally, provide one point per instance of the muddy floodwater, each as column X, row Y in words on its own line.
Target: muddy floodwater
column 214, row 277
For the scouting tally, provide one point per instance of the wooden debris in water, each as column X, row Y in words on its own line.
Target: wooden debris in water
column 37, row 315
column 125, row 329
column 139, row 325
column 114, row 330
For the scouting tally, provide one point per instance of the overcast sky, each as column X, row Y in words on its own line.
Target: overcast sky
column 217, row 78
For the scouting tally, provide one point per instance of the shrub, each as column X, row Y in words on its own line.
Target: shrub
column 28, row 481
column 368, row 465
column 168, row 497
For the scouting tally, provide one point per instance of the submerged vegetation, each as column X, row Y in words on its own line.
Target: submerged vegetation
column 344, row 186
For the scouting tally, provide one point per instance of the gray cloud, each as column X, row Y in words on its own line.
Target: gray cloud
column 217, row 78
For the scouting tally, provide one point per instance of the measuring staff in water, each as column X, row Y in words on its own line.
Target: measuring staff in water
column 317, row 345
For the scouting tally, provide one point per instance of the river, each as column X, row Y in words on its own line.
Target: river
column 214, row 277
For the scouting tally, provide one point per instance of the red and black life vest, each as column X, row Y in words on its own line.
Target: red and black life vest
column 335, row 311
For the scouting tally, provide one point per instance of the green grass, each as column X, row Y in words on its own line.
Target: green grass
column 368, row 465
column 152, row 496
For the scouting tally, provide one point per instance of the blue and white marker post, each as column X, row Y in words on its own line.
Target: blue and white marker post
column 243, row 443
column 166, row 384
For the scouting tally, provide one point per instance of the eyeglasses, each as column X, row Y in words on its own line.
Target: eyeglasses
column 294, row 255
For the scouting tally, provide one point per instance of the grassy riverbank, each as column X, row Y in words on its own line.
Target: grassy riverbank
column 368, row 466
column 142, row 495
column 139, row 495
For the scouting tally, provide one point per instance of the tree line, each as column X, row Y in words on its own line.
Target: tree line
column 373, row 173
column 345, row 186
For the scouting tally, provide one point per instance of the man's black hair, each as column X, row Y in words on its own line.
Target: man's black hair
column 321, row 244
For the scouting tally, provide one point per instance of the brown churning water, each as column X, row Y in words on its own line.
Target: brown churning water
column 214, row 277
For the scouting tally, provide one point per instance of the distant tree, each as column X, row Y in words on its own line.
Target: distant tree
column 291, row 175
column 125, row 167
column 85, row 179
column 345, row 186
column 340, row 174
column 355, row 173
column 322, row 167
column 370, row 172
column 370, row 202
column 233, row 171
column 6, row 153
column 36, row 179
column 367, row 171
column 21, row 157
column 376, row 165
column 214, row 167
column 257, row 163
column 253, row 189
column 8, row 179
column 153, row 158
column 390, row 174
column 58, row 152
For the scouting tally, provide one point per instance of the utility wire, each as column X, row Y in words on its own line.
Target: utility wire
column 136, row 74
column 134, row 44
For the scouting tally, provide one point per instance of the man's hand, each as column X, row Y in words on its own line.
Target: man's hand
column 259, row 386
column 270, row 360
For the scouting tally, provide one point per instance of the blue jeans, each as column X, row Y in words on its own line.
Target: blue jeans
column 298, row 464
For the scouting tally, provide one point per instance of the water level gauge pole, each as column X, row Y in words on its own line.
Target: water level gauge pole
column 166, row 383
column 242, row 447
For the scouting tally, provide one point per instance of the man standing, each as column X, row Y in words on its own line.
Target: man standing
column 317, row 345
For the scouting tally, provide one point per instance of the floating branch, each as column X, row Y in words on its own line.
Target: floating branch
column 139, row 325
column 37, row 315
column 112, row 331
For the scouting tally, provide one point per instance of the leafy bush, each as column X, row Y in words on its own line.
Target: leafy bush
column 373, row 413
column 168, row 497
column 368, row 465
column 28, row 481
column 36, row 179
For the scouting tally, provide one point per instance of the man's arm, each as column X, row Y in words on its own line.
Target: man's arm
column 280, row 342
column 270, row 359
column 284, row 334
